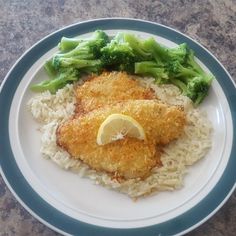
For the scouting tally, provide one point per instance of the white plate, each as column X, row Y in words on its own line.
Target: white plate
column 80, row 207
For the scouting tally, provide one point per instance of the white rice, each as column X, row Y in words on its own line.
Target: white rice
column 49, row 110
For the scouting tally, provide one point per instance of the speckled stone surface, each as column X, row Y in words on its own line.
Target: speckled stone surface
column 23, row 23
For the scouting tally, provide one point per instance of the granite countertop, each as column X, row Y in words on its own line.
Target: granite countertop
column 23, row 23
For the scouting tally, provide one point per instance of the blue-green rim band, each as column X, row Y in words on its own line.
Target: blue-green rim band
column 72, row 226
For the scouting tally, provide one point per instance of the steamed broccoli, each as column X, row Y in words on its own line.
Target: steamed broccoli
column 84, row 56
column 157, row 51
column 197, row 88
column 81, row 56
column 63, row 62
column 63, row 77
column 151, row 68
column 87, row 49
column 50, row 69
column 67, row 44
column 190, row 62
column 123, row 51
column 178, row 53
column 137, row 46
column 163, row 54
column 190, row 78
column 117, row 53
column 176, row 66
column 126, row 52
column 180, row 84
column 177, row 70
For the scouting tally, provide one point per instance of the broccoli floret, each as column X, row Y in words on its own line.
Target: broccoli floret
column 137, row 46
column 157, row 51
column 163, row 54
column 193, row 84
column 50, row 69
column 177, row 70
column 63, row 67
column 126, row 52
column 128, row 67
column 87, row 49
column 151, row 68
column 90, row 66
column 99, row 36
column 123, row 51
column 191, row 63
column 197, row 88
column 178, row 53
column 63, row 62
column 67, row 44
column 117, row 53
column 180, row 84
column 193, row 81
column 63, row 77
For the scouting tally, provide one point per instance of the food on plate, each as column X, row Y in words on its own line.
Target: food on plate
column 52, row 110
column 123, row 112
column 108, row 88
column 128, row 157
column 126, row 52
column 75, row 58
column 117, row 126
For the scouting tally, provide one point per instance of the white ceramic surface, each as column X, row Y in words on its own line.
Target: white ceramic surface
column 80, row 198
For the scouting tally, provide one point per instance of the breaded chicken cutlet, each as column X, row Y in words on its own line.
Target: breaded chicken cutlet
column 107, row 88
column 129, row 157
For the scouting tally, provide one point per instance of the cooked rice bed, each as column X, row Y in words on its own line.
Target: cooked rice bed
column 49, row 110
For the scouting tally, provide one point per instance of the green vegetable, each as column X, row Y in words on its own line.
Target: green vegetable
column 65, row 67
column 151, row 68
column 176, row 66
column 197, row 88
column 84, row 56
column 63, row 62
column 68, row 44
column 190, row 78
column 51, row 71
column 86, row 49
column 176, row 69
column 117, row 53
column 191, row 63
column 123, row 51
column 163, row 54
column 138, row 48
column 126, row 52
column 63, row 77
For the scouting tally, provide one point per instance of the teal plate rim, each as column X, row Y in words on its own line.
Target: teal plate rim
column 67, row 225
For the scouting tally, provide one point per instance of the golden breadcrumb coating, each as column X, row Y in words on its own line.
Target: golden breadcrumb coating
column 129, row 157
column 109, row 88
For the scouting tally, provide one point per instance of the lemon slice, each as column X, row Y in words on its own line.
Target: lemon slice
column 118, row 126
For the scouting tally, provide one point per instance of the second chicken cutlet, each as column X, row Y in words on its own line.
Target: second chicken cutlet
column 108, row 88
column 129, row 157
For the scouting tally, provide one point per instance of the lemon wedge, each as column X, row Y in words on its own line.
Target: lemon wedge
column 118, row 126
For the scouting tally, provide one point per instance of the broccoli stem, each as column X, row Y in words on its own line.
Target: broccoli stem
column 159, row 52
column 62, row 77
column 186, row 74
column 126, row 52
column 68, row 44
column 151, row 68
column 51, row 85
column 50, row 69
column 137, row 47
column 75, row 62
column 78, row 52
column 191, row 62
column 200, row 98
column 181, row 85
